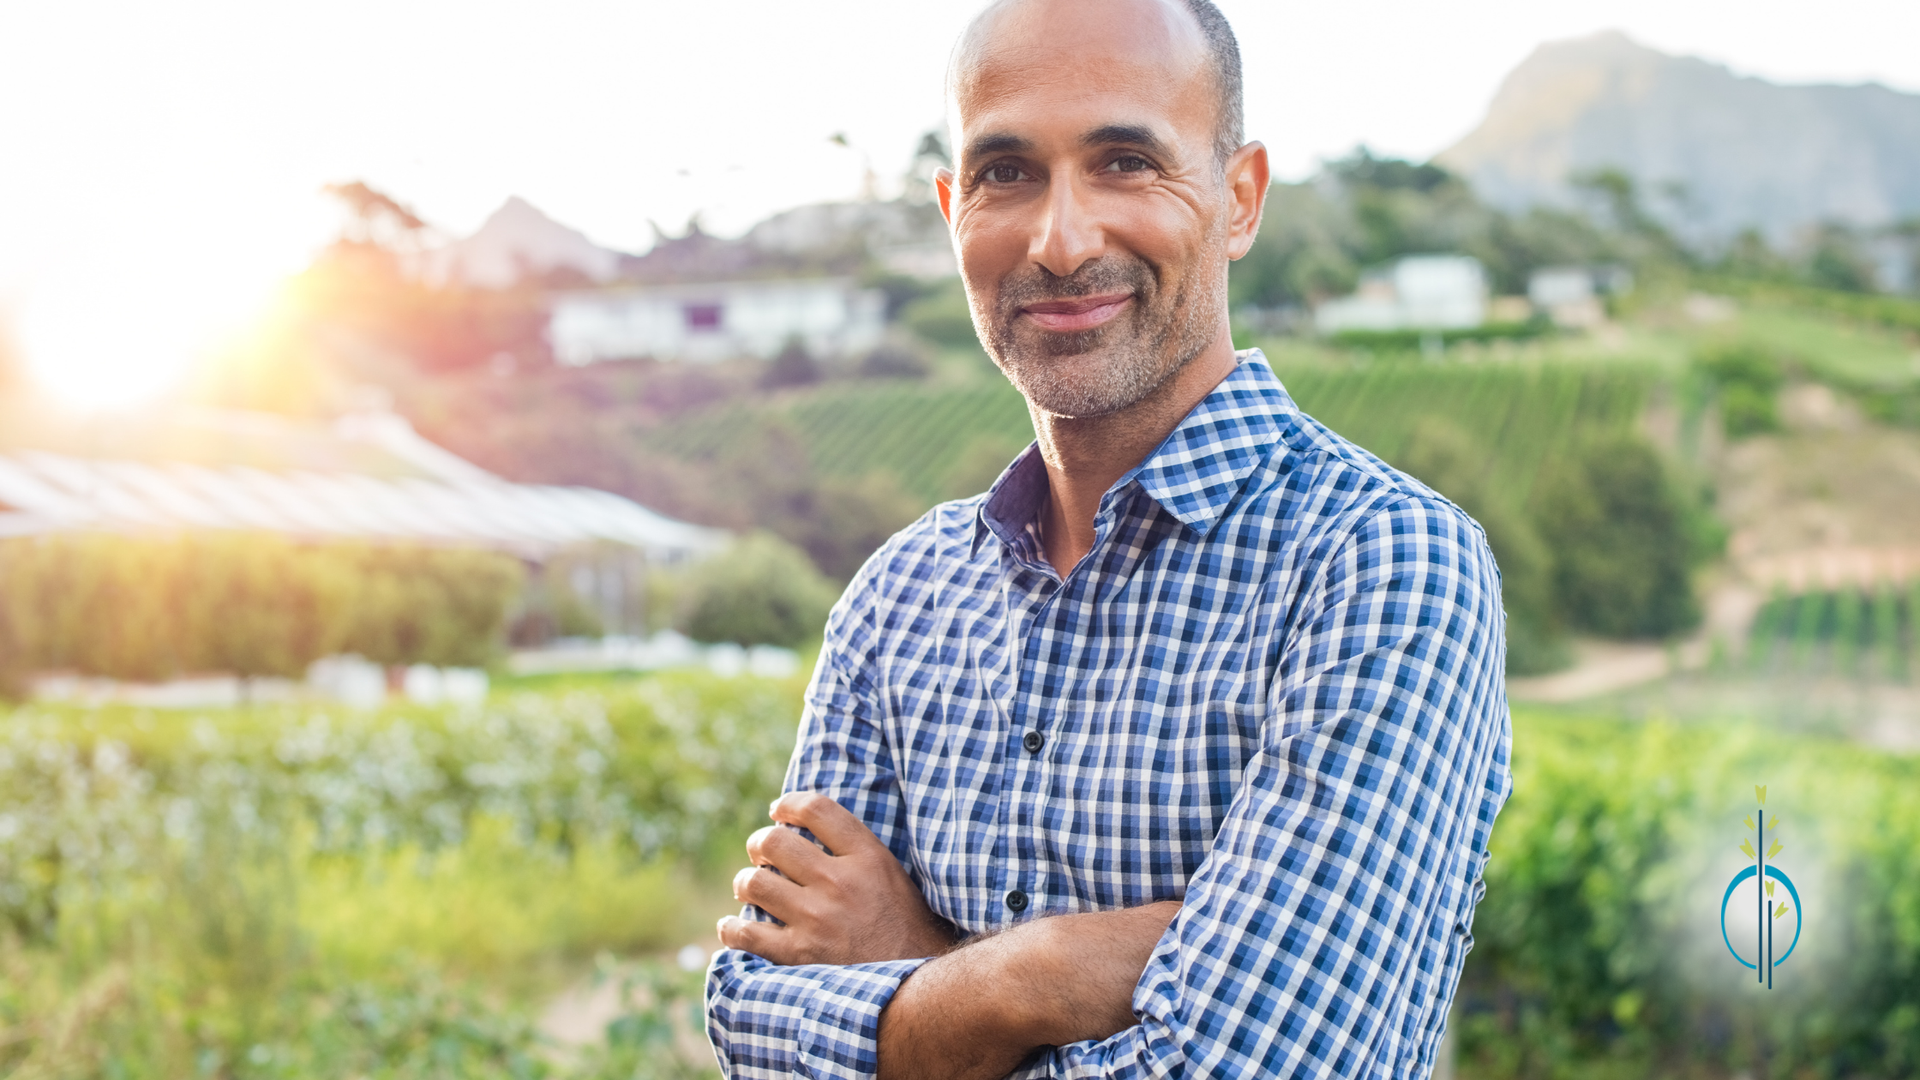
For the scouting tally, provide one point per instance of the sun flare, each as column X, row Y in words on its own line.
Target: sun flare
column 120, row 340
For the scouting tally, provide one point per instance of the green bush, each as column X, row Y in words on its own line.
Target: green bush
column 760, row 591
column 1624, row 541
column 251, row 605
column 1599, row 951
column 1749, row 378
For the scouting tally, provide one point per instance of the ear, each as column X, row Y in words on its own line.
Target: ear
column 943, row 186
column 1247, row 179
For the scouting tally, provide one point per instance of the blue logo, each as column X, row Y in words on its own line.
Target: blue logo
column 1764, row 875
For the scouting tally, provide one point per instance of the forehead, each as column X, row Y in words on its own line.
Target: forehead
column 1074, row 65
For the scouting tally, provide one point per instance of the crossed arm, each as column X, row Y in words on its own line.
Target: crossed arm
column 975, row 1010
column 1323, row 934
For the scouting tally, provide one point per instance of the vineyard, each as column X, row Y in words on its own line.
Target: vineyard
column 920, row 434
column 1520, row 415
column 1868, row 635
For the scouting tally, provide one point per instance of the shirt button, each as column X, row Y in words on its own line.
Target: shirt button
column 1016, row 901
column 1033, row 741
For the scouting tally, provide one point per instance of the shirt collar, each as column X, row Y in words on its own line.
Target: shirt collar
column 1194, row 474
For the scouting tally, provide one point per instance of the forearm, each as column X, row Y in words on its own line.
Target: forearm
column 978, row 1011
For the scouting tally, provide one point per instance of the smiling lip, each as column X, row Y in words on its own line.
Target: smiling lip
column 1079, row 313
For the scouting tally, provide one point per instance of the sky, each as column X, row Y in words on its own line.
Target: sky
column 161, row 165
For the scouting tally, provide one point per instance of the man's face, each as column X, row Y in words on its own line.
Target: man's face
column 1086, row 200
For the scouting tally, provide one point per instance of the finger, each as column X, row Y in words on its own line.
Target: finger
column 761, row 939
column 794, row 855
column 833, row 824
column 767, row 891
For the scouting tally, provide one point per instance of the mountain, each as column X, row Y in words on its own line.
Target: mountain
column 1750, row 153
column 518, row 240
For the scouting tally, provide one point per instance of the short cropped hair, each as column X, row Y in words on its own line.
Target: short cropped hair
column 1223, row 52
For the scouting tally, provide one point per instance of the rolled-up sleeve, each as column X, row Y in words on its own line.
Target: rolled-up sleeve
column 1325, row 932
column 814, row 1020
column 820, row 1020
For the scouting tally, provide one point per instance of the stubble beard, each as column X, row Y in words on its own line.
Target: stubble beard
column 1142, row 349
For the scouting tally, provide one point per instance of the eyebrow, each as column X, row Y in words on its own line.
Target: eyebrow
column 997, row 143
column 1127, row 134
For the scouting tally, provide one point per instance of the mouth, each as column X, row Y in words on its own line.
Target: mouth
column 1078, row 313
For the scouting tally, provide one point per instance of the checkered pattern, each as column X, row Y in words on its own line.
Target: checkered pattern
column 1273, row 690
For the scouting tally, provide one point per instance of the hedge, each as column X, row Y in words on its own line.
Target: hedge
column 247, row 604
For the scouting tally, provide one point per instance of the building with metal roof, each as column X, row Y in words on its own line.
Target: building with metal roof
column 365, row 476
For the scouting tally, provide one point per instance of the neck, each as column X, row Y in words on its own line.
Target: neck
column 1085, row 455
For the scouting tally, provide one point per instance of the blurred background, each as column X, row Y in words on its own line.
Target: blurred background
column 431, row 436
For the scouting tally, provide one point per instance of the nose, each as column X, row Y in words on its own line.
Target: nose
column 1067, row 235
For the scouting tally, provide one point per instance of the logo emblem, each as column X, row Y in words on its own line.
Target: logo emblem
column 1764, row 876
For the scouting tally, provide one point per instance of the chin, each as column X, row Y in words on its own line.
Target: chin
column 1084, row 384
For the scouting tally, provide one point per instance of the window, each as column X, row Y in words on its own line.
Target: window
column 702, row 316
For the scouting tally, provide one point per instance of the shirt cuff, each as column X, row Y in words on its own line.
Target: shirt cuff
column 814, row 1020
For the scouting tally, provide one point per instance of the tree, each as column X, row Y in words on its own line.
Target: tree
column 1624, row 545
column 376, row 218
column 793, row 366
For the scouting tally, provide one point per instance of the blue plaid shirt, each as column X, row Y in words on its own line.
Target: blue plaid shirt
column 1272, row 690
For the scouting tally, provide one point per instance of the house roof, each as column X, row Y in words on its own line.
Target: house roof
column 368, row 476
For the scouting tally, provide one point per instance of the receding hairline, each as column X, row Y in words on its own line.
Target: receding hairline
column 1217, row 40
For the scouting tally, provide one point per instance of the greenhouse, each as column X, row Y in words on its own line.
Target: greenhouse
column 367, row 476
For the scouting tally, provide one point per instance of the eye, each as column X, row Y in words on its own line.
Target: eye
column 1129, row 163
column 1002, row 174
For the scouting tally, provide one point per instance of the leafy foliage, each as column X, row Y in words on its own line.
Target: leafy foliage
column 1864, row 634
column 1599, row 951
column 149, row 608
column 1317, row 236
column 303, row 892
column 1624, row 547
column 1748, row 376
column 760, row 591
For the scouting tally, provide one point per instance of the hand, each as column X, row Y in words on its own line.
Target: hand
column 854, row 906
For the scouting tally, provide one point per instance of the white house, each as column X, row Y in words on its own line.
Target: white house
column 1418, row 292
column 716, row 321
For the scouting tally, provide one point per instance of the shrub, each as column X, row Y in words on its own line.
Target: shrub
column 760, row 591
column 1749, row 378
column 1624, row 541
column 793, row 366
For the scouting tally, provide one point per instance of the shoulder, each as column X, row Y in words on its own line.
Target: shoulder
column 1352, row 508
column 896, row 588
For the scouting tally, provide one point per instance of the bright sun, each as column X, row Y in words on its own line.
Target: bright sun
column 121, row 338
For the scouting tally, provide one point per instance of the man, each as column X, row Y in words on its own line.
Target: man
column 1177, row 752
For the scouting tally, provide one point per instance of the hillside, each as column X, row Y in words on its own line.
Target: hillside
column 1750, row 152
